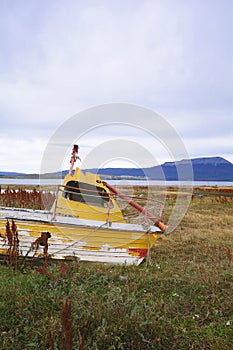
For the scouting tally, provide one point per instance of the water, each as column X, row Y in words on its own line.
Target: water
column 44, row 182
column 32, row 182
column 170, row 183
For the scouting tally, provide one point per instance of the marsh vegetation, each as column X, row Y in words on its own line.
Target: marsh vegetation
column 181, row 300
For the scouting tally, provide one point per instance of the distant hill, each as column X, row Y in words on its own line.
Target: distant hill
column 212, row 169
column 10, row 173
column 204, row 169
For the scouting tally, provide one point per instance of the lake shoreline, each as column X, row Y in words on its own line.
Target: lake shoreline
column 122, row 182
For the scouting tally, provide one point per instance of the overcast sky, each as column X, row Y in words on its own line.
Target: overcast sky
column 58, row 58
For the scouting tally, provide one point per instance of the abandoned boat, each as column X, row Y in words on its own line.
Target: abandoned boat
column 85, row 222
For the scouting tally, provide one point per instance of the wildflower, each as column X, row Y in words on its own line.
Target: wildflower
column 196, row 316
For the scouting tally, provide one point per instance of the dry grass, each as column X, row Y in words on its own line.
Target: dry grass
column 183, row 300
column 26, row 198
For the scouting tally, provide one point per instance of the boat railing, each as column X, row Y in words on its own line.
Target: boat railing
column 133, row 216
column 101, row 202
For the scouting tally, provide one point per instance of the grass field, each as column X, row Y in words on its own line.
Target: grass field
column 182, row 300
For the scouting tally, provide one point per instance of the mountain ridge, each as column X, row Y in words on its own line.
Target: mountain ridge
column 203, row 168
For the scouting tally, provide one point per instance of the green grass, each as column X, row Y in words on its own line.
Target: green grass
column 182, row 300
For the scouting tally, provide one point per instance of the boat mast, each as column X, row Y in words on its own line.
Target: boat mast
column 74, row 157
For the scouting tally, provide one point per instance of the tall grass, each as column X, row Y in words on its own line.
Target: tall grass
column 23, row 198
column 183, row 300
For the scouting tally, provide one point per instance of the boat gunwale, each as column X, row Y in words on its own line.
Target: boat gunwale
column 126, row 227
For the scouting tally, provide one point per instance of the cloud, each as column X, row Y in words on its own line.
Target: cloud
column 59, row 58
column 203, row 123
column 101, row 52
column 21, row 155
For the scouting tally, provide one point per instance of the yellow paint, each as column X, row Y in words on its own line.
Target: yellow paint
column 84, row 237
column 93, row 237
column 68, row 207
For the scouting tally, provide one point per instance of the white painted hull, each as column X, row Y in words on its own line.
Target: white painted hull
column 87, row 240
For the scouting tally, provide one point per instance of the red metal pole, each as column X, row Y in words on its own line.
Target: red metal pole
column 137, row 206
column 74, row 156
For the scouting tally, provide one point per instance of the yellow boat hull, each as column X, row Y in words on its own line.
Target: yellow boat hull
column 87, row 243
column 85, row 222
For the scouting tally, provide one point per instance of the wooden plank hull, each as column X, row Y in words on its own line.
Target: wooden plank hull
column 87, row 243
